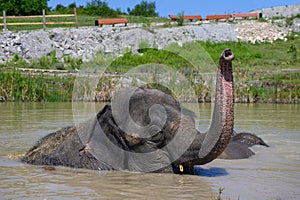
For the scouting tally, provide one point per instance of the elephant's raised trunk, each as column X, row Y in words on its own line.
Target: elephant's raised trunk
column 221, row 128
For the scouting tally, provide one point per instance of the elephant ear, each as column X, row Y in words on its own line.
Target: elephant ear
column 102, row 138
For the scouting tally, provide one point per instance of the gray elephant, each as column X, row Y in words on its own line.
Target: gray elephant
column 146, row 130
column 238, row 147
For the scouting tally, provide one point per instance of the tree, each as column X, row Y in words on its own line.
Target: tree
column 145, row 8
column 98, row 7
column 59, row 8
column 72, row 6
column 24, row 7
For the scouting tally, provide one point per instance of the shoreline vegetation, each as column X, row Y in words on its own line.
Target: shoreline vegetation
column 263, row 72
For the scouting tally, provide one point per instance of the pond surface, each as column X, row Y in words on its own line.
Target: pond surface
column 273, row 173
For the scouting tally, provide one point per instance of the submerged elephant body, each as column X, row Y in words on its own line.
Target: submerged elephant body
column 102, row 144
column 75, row 146
column 145, row 130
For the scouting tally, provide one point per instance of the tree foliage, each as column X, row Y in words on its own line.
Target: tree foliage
column 60, row 9
column 101, row 8
column 23, row 7
column 145, row 8
column 94, row 7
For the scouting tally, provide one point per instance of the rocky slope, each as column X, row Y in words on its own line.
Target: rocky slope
column 280, row 11
column 86, row 41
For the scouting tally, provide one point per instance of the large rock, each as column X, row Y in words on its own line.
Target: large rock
column 296, row 25
column 281, row 11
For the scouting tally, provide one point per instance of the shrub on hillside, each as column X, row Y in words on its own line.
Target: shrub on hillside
column 146, row 9
column 100, row 8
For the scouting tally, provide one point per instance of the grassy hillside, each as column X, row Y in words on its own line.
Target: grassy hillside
column 266, row 72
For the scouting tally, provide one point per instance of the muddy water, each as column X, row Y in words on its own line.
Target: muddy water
column 273, row 173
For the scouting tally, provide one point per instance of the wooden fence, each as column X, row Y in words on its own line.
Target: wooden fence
column 44, row 22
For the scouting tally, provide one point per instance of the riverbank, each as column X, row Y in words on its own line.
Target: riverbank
column 275, row 87
column 266, row 67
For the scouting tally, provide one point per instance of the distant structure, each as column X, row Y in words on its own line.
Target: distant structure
column 280, row 11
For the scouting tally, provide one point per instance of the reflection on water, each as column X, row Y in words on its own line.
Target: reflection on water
column 273, row 173
column 34, row 182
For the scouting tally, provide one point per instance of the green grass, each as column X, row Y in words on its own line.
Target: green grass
column 35, row 27
column 45, row 62
column 145, row 20
column 265, row 72
column 130, row 60
column 258, row 57
column 15, row 86
column 250, row 58
column 83, row 20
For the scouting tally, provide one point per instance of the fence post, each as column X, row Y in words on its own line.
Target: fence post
column 44, row 19
column 76, row 18
column 4, row 20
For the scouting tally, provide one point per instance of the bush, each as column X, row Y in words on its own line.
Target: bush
column 146, row 9
column 293, row 50
column 180, row 19
column 98, row 7
column 23, row 7
column 60, row 9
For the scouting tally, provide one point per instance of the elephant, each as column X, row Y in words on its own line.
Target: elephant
column 146, row 130
column 238, row 147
